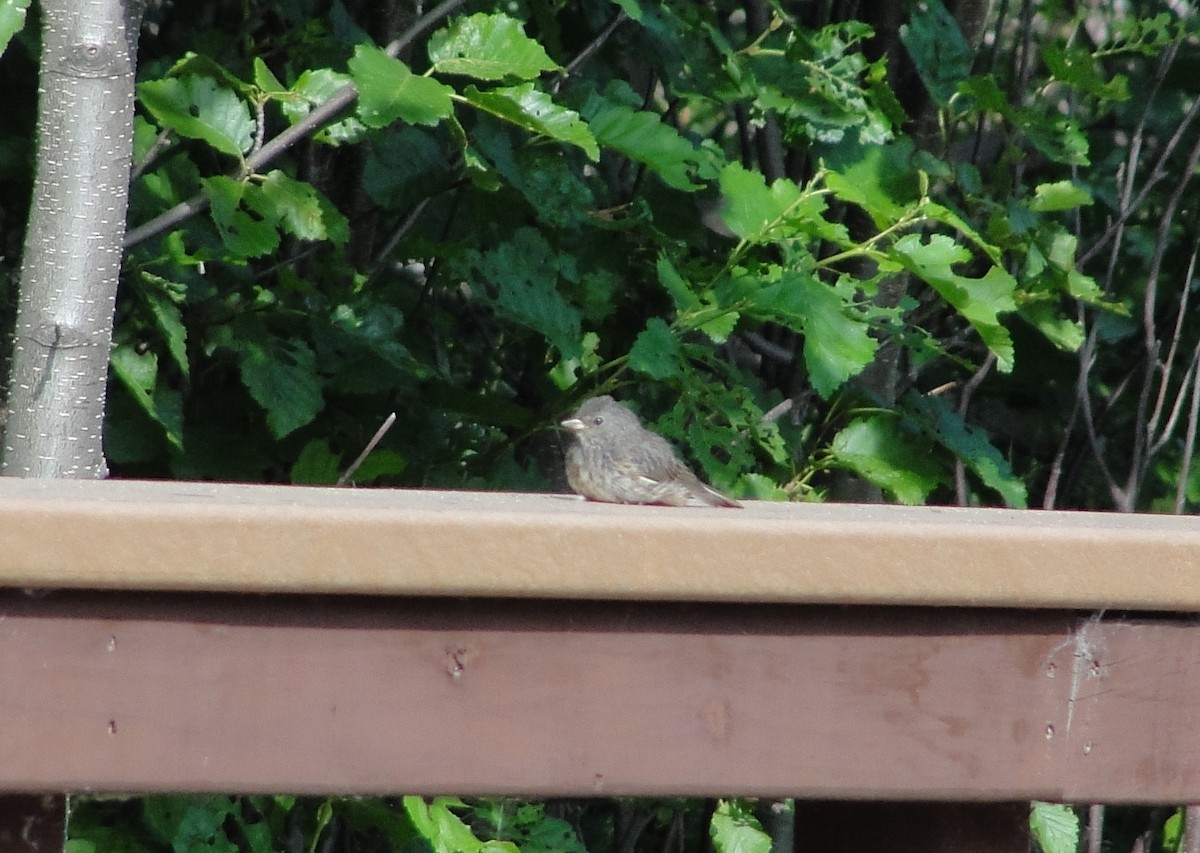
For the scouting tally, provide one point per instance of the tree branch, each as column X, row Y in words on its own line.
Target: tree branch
column 324, row 114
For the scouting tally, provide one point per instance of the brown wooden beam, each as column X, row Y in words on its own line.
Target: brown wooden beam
column 119, row 692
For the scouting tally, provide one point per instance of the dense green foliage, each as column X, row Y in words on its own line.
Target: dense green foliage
column 799, row 244
column 949, row 258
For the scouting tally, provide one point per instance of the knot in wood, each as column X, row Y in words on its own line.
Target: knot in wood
column 95, row 59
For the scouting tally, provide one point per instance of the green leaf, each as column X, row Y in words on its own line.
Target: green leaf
column 389, row 91
column 533, row 110
column 445, row 831
column 157, row 294
column 313, row 88
column 302, row 211
column 1077, row 67
column 752, row 208
column 837, row 345
column 523, row 273
column 317, row 465
column 681, row 293
column 196, row 107
column 1063, row 332
column 979, row 300
column 1060, row 195
column 488, row 47
column 281, row 376
column 381, row 463
column 1055, row 827
column 138, row 372
column 877, row 449
column 12, row 20
column 878, row 178
column 245, row 220
column 735, row 829
column 643, row 136
column 265, row 79
column 969, row 444
column 938, row 50
column 656, row 351
column 632, row 8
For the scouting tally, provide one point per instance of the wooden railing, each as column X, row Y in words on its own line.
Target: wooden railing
column 199, row 637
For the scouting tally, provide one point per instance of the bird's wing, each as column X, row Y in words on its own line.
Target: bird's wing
column 654, row 458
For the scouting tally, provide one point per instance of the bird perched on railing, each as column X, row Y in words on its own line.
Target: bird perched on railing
column 614, row 458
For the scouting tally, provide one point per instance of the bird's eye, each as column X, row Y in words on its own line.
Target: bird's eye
column 596, row 421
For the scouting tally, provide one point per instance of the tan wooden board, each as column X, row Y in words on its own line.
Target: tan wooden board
column 202, row 536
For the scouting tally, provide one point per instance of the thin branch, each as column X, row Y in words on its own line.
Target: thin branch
column 964, row 403
column 1157, row 443
column 362, row 457
column 318, row 118
column 1140, row 458
column 1156, row 174
column 590, row 49
column 1189, row 445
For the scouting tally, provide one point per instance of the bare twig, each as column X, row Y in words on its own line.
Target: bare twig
column 1189, row 444
column 964, row 403
column 1157, row 173
column 591, row 49
column 1157, row 442
column 362, row 457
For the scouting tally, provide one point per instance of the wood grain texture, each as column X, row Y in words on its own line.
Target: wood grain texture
column 199, row 536
column 142, row 692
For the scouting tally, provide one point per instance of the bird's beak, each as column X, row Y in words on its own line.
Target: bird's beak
column 573, row 425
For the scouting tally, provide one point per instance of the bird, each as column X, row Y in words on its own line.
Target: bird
column 613, row 458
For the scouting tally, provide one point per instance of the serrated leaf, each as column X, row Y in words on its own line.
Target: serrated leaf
column 196, row 107
column 734, row 829
column 303, row 212
column 837, row 345
column 674, row 284
column 752, row 208
column 281, row 376
column 138, row 372
column 533, row 110
column 388, row 91
column 1063, row 332
column 167, row 317
column 979, row 300
column 523, row 274
column 246, row 223
column 488, row 47
column 1060, row 195
column 969, row 444
column 643, row 136
column 656, row 351
column 1055, row 827
column 879, row 451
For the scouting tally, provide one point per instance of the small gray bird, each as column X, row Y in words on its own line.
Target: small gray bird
column 614, row 458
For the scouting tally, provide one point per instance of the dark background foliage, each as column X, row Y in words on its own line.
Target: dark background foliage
column 906, row 251
column 931, row 258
